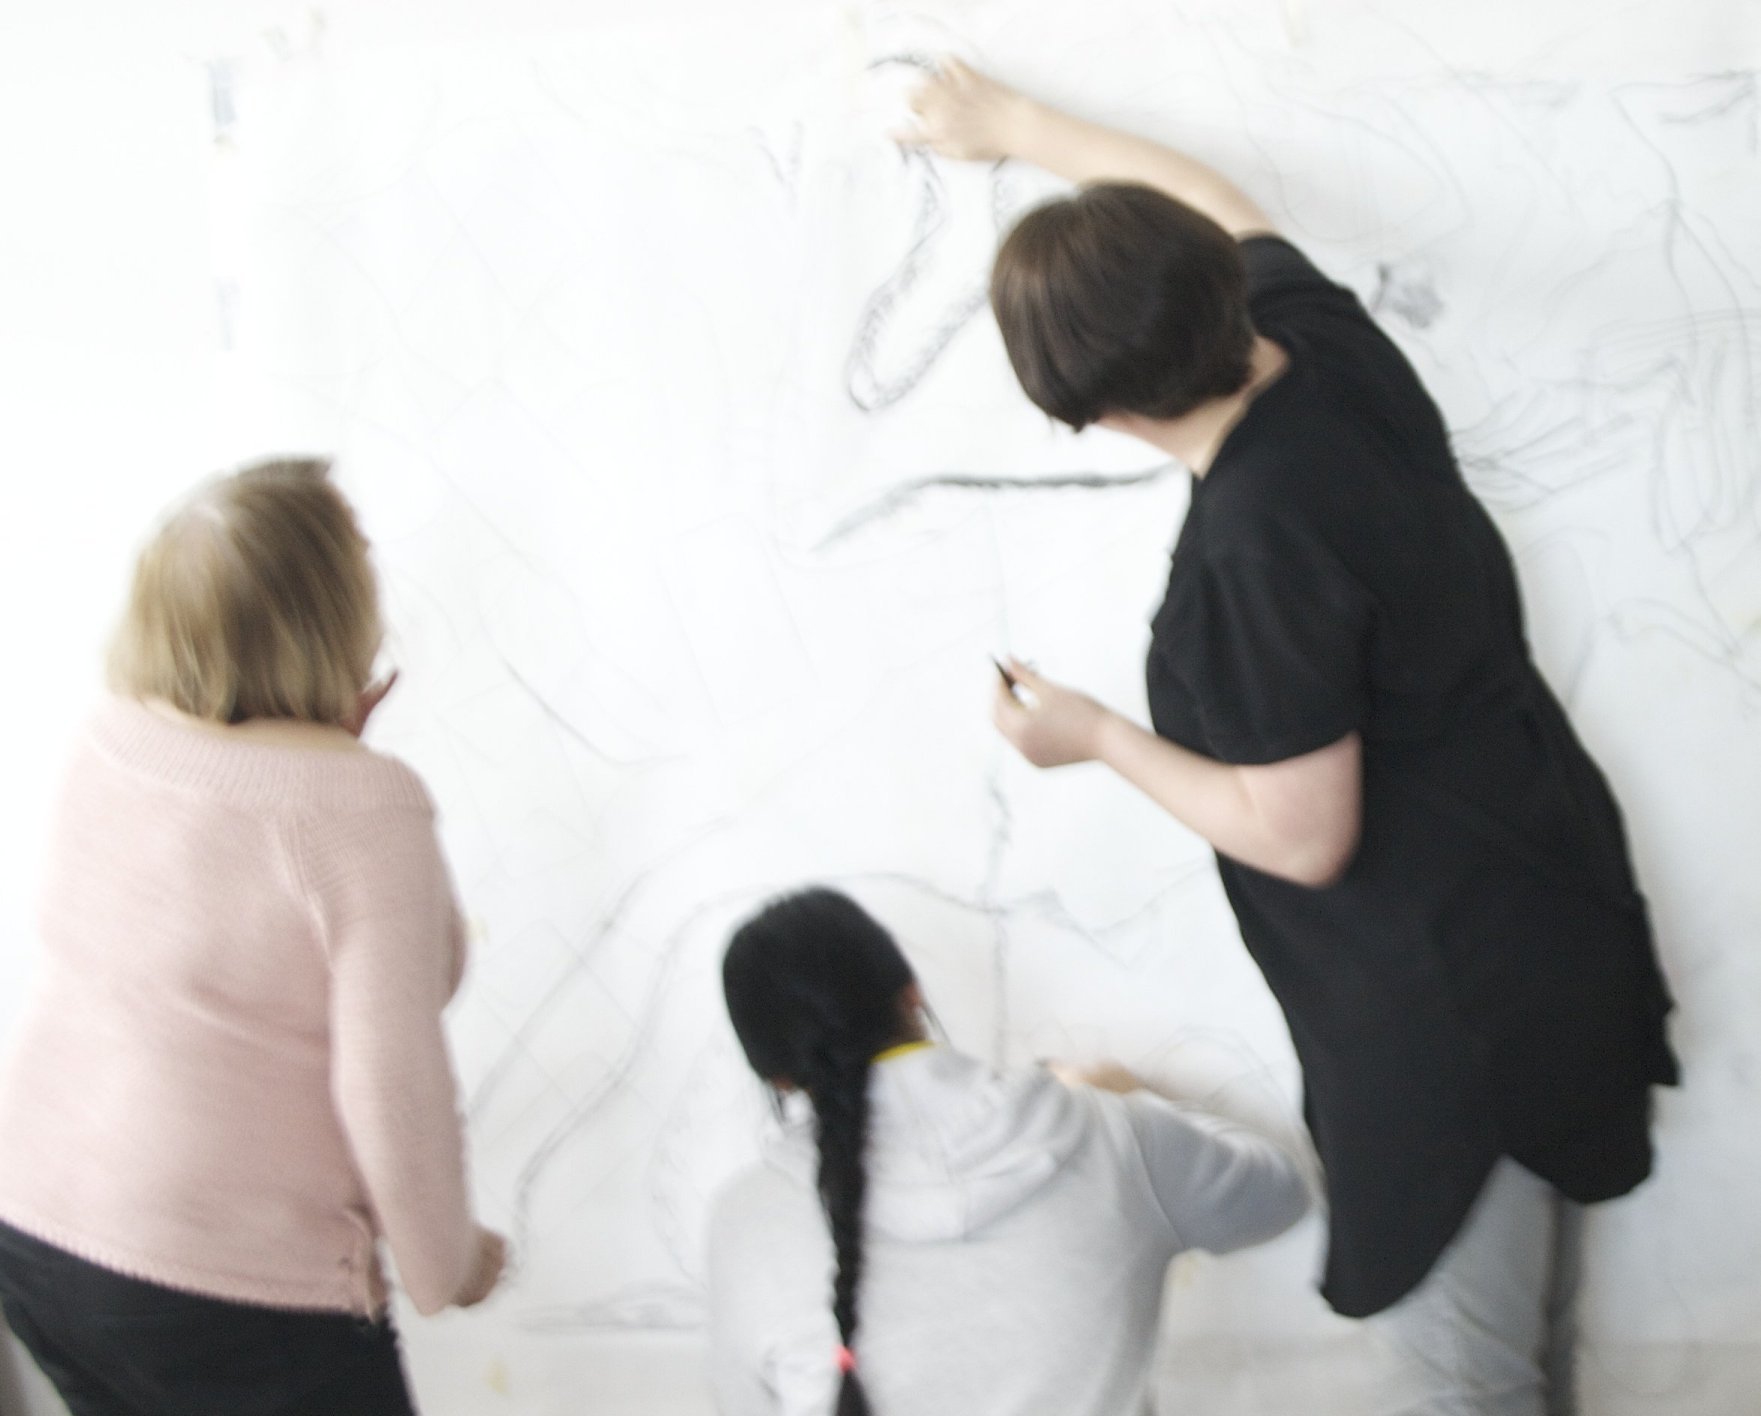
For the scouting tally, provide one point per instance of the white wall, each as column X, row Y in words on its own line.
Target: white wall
column 579, row 292
column 106, row 339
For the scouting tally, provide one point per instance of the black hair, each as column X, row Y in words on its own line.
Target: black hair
column 813, row 986
column 1121, row 299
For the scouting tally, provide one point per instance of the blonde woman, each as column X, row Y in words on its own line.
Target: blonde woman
column 233, row 1082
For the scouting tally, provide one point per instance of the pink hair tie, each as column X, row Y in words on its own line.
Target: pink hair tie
column 846, row 1360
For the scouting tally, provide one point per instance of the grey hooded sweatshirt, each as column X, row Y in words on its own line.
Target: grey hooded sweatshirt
column 1017, row 1235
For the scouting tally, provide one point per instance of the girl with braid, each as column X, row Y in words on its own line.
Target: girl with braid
column 936, row 1236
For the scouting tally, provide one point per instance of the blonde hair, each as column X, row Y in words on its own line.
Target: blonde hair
column 254, row 600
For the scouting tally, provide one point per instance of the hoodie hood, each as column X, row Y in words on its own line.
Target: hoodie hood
column 952, row 1144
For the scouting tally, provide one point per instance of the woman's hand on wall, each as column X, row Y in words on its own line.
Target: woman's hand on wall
column 492, row 1257
column 1106, row 1076
column 965, row 115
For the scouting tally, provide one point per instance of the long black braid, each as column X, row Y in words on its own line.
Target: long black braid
column 813, row 987
column 840, row 1113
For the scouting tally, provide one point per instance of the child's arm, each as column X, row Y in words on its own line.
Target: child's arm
column 961, row 113
column 1221, row 1179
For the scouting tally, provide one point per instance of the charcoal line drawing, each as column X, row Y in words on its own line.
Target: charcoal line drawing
column 703, row 340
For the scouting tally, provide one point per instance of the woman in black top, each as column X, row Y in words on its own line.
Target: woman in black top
column 1423, row 860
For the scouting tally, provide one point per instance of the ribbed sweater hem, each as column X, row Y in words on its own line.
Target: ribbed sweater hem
column 290, row 1295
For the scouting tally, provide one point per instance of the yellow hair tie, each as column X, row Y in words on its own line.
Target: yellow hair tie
column 888, row 1054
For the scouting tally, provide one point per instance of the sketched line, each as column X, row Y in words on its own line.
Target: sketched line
column 1745, row 87
column 223, row 99
column 610, row 1084
column 1002, row 834
column 868, row 390
column 902, row 496
column 610, row 920
column 1002, row 837
column 544, row 706
column 641, row 1307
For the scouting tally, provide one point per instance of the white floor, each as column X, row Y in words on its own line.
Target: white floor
column 1230, row 1378
column 662, row 1375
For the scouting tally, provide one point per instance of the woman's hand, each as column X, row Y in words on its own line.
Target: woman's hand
column 964, row 115
column 1104, row 1076
column 1050, row 725
column 492, row 1257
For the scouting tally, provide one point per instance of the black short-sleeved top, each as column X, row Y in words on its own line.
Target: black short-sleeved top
column 1482, row 981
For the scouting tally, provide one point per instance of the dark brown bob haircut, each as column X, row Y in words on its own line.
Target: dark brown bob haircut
column 1121, row 299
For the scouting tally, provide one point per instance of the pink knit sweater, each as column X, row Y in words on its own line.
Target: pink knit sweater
column 233, row 1077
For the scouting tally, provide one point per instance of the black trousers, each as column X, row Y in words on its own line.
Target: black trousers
column 116, row 1346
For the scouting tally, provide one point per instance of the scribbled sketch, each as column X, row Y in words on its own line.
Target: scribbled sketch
column 907, row 493
column 870, row 389
column 702, row 493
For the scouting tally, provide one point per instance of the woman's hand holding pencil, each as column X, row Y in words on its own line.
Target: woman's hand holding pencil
column 1049, row 724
